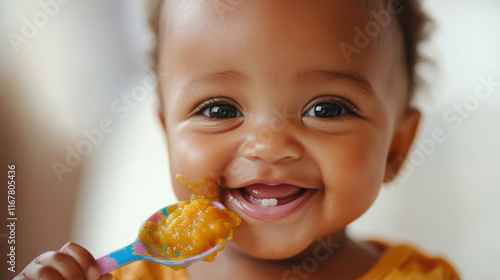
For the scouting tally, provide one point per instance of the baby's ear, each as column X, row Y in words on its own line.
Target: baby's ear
column 162, row 120
column 402, row 139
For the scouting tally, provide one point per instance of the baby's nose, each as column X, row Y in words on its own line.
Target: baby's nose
column 272, row 144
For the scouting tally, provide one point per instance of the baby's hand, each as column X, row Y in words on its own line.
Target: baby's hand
column 71, row 262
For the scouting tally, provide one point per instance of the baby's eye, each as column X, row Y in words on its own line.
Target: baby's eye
column 326, row 110
column 219, row 108
column 223, row 111
column 330, row 107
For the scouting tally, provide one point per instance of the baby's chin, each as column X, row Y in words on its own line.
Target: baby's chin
column 268, row 254
column 269, row 248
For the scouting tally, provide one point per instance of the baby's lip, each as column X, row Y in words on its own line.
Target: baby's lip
column 272, row 183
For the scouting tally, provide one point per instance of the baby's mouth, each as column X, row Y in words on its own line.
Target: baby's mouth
column 271, row 196
column 269, row 201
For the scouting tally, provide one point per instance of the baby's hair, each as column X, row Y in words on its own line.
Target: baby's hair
column 416, row 27
column 413, row 21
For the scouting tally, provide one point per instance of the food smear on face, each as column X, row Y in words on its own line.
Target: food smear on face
column 191, row 228
column 202, row 187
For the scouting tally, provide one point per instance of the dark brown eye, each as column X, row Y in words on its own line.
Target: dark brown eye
column 326, row 110
column 221, row 111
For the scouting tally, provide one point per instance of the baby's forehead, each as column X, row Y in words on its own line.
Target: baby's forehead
column 283, row 36
column 366, row 5
column 360, row 5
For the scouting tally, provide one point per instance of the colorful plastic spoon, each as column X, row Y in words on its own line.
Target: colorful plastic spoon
column 138, row 251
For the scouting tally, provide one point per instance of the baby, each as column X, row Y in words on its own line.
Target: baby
column 299, row 110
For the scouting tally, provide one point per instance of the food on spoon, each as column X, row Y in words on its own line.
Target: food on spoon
column 193, row 227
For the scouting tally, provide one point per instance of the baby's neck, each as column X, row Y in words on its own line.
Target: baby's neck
column 333, row 257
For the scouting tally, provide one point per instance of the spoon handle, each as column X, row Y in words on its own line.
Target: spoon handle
column 119, row 258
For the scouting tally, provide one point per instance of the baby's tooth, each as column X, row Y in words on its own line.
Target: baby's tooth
column 273, row 202
column 264, row 202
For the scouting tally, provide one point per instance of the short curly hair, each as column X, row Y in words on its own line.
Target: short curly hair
column 415, row 25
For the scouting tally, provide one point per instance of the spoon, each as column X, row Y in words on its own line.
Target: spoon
column 137, row 250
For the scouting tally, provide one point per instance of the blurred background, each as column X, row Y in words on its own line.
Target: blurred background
column 78, row 118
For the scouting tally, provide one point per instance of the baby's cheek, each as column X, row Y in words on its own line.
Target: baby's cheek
column 352, row 179
column 195, row 159
column 181, row 192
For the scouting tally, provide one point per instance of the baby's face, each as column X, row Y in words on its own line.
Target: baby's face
column 262, row 98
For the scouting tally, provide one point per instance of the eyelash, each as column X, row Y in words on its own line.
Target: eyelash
column 350, row 107
column 213, row 101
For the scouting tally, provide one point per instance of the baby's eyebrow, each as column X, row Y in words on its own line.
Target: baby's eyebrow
column 223, row 76
column 354, row 79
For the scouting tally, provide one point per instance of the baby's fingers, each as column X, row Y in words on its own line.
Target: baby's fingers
column 38, row 271
column 72, row 262
column 52, row 266
column 84, row 259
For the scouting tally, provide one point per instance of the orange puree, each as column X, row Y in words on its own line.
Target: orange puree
column 202, row 187
column 192, row 228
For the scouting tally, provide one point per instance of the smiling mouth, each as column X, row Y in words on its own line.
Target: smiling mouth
column 271, row 196
column 270, row 202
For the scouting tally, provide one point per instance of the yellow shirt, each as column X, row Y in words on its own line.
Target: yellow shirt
column 405, row 262
column 399, row 262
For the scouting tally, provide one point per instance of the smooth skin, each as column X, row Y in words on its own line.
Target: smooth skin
column 263, row 92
